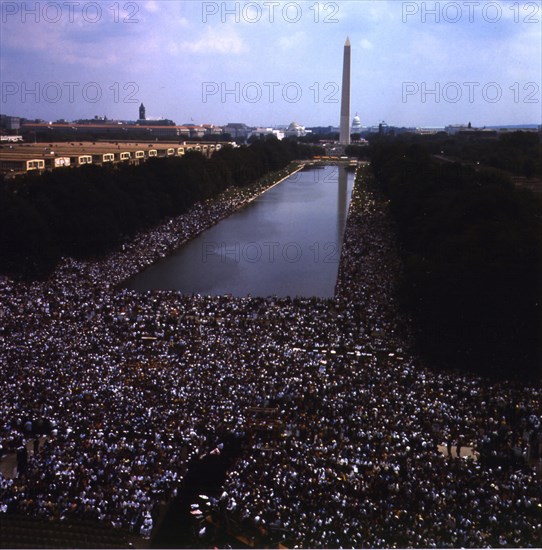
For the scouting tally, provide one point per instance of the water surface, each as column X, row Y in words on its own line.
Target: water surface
column 286, row 242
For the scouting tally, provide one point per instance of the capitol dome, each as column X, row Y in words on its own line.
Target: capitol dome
column 356, row 122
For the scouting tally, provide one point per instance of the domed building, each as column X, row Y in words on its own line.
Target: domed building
column 356, row 125
column 295, row 130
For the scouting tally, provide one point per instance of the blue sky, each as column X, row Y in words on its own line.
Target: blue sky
column 270, row 62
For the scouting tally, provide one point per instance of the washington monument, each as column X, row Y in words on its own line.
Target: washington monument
column 344, row 137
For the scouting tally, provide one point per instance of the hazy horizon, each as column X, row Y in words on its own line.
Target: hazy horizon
column 270, row 63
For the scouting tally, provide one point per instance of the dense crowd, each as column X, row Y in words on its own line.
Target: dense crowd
column 127, row 388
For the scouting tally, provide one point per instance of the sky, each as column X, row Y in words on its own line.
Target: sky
column 268, row 63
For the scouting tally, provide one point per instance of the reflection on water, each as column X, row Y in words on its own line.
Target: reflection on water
column 287, row 242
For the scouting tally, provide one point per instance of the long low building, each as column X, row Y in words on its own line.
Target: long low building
column 25, row 157
column 116, row 130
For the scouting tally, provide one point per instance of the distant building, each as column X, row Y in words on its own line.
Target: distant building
column 361, row 141
column 263, row 132
column 324, row 130
column 142, row 112
column 469, row 130
column 212, row 130
column 108, row 130
column 237, row 130
column 296, row 130
column 96, row 120
column 453, row 129
column 157, row 122
column 10, row 122
column 356, row 125
column 150, row 129
column 429, row 130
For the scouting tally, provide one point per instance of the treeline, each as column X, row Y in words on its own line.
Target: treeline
column 361, row 152
column 88, row 211
column 472, row 250
column 519, row 153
